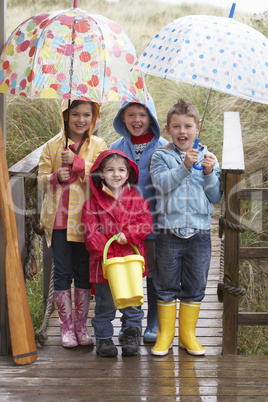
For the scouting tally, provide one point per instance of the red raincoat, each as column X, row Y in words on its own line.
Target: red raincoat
column 104, row 216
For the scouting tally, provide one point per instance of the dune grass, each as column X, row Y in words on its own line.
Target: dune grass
column 30, row 124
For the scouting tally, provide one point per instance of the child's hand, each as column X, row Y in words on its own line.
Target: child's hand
column 209, row 162
column 67, row 157
column 191, row 157
column 63, row 174
column 121, row 238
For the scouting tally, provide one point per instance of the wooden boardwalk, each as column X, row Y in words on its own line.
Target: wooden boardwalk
column 79, row 374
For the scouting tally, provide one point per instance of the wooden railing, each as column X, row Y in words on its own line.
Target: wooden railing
column 229, row 290
column 253, row 253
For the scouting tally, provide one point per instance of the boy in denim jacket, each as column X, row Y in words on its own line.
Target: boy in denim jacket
column 184, row 208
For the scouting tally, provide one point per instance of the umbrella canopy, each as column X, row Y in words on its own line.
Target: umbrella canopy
column 68, row 54
column 214, row 52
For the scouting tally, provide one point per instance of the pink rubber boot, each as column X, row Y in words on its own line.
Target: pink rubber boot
column 64, row 303
column 82, row 299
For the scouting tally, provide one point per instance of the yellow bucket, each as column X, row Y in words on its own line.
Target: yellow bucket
column 124, row 275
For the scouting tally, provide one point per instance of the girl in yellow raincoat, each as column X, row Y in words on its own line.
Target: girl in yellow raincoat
column 63, row 176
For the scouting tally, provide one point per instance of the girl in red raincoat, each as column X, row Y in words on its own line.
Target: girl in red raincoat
column 114, row 208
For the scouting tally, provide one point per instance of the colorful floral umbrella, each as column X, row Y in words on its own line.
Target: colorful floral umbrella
column 68, row 54
column 215, row 52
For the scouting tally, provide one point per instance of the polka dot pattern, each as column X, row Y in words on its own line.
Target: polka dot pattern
column 213, row 52
column 44, row 51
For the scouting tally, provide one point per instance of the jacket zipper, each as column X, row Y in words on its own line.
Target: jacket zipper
column 97, row 272
column 187, row 198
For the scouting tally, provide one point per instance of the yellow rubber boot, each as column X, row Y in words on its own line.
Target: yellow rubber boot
column 165, row 334
column 188, row 317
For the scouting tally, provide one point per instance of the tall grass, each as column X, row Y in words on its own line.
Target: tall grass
column 34, row 289
column 29, row 124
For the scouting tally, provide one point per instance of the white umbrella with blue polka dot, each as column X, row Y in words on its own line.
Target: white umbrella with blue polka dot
column 215, row 52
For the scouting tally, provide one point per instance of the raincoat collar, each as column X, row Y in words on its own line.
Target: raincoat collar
column 121, row 128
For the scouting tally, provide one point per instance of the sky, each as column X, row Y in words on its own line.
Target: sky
column 245, row 6
column 248, row 6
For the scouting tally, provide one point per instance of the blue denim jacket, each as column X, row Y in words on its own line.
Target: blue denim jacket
column 184, row 197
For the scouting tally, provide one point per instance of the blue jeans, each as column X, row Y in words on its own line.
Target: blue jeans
column 71, row 261
column 182, row 266
column 105, row 313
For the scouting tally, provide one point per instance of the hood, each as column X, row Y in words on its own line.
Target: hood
column 96, row 108
column 121, row 128
column 96, row 188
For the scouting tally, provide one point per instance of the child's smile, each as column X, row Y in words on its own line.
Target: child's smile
column 115, row 174
column 183, row 130
column 137, row 119
column 80, row 121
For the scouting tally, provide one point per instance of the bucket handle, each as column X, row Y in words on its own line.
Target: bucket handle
column 115, row 237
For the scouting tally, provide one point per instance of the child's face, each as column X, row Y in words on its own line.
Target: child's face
column 80, row 120
column 115, row 174
column 183, row 131
column 137, row 119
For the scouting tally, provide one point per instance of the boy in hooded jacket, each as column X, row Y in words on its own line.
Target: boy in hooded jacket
column 141, row 135
column 114, row 208
column 63, row 177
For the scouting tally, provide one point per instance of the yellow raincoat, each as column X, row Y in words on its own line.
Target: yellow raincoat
column 50, row 161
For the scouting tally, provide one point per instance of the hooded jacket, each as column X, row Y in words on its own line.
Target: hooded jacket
column 145, row 187
column 103, row 216
column 49, row 163
column 184, row 197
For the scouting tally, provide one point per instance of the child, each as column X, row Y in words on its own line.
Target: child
column 114, row 208
column 183, row 247
column 63, row 176
column 140, row 133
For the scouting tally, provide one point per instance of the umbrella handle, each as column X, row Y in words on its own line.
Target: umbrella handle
column 195, row 147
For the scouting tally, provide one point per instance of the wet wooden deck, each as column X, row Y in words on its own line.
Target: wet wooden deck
column 79, row 374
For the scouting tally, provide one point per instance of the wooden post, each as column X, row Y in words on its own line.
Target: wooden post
column 24, row 168
column 232, row 168
column 5, row 346
column 231, row 264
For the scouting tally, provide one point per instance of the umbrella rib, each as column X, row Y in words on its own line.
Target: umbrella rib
column 70, row 85
column 104, row 60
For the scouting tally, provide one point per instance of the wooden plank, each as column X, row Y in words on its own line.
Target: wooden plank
column 156, row 387
column 253, row 253
column 254, row 194
column 80, row 375
column 200, row 331
column 28, row 164
column 232, row 154
column 253, row 318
